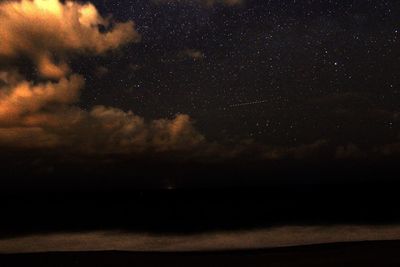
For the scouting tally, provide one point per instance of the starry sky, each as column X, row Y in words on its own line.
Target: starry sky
column 277, row 72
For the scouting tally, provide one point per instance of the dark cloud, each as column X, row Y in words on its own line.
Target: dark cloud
column 192, row 54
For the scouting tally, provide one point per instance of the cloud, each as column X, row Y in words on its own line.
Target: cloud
column 20, row 98
column 46, row 31
column 207, row 3
column 192, row 54
column 349, row 151
column 392, row 149
column 43, row 114
column 313, row 150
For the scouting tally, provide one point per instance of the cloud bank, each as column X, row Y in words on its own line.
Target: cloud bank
column 43, row 114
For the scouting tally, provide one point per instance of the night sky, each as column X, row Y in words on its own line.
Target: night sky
column 308, row 70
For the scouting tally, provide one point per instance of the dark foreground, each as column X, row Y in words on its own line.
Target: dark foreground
column 382, row 253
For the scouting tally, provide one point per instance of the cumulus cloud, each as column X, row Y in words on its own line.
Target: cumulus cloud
column 43, row 114
column 47, row 30
column 21, row 97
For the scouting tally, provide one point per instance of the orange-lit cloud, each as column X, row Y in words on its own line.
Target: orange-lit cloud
column 42, row 115
column 19, row 98
column 46, row 31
